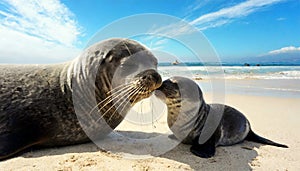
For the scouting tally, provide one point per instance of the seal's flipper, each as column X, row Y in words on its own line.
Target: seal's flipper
column 203, row 150
column 21, row 136
column 15, row 143
column 256, row 138
column 206, row 150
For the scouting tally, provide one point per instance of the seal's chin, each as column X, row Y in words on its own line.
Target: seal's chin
column 160, row 95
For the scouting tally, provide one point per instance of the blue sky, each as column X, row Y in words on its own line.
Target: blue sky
column 36, row 31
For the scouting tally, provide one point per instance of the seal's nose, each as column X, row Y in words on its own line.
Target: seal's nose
column 151, row 76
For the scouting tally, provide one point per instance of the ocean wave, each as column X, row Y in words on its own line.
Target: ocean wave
column 282, row 89
column 232, row 72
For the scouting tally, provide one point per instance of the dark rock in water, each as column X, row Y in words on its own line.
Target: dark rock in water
column 198, row 78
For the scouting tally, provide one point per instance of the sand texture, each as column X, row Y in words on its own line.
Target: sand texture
column 272, row 117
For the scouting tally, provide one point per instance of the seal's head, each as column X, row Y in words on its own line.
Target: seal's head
column 129, row 64
column 111, row 76
column 116, row 63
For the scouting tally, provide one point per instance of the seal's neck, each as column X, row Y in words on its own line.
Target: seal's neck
column 202, row 116
column 174, row 108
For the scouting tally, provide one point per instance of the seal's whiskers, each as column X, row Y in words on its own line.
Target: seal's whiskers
column 122, row 86
column 134, row 92
column 115, row 98
column 130, row 91
column 112, row 97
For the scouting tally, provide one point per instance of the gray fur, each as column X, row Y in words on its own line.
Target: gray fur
column 37, row 104
column 188, row 121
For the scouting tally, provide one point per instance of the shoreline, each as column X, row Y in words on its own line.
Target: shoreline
column 282, row 88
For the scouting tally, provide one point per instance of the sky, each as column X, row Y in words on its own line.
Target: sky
column 49, row 31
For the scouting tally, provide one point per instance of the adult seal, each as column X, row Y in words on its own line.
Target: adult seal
column 189, row 118
column 73, row 102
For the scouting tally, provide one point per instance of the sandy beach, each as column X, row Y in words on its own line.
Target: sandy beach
column 68, row 66
column 273, row 116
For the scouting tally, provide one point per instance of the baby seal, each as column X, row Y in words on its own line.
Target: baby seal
column 189, row 117
column 73, row 102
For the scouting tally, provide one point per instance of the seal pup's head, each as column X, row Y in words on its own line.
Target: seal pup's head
column 179, row 90
column 184, row 100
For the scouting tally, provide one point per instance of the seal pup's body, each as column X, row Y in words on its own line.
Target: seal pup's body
column 73, row 102
column 188, row 114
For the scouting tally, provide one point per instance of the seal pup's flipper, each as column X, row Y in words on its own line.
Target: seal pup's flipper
column 206, row 150
column 256, row 138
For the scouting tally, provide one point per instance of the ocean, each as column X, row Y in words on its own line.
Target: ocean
column 200, row 71
column 279, row 80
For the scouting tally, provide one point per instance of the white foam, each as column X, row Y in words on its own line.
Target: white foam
column 233, row 72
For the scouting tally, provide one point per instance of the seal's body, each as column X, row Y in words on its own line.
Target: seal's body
column 74, row 102
column 189, row 117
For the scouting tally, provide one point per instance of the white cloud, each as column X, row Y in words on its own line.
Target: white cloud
column 195, row 6
column 214, row 19
column 226, row 15
column 288, row 49
column 37, row 31
column 160, row 35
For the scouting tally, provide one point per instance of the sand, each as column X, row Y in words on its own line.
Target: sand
column 276, row 118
